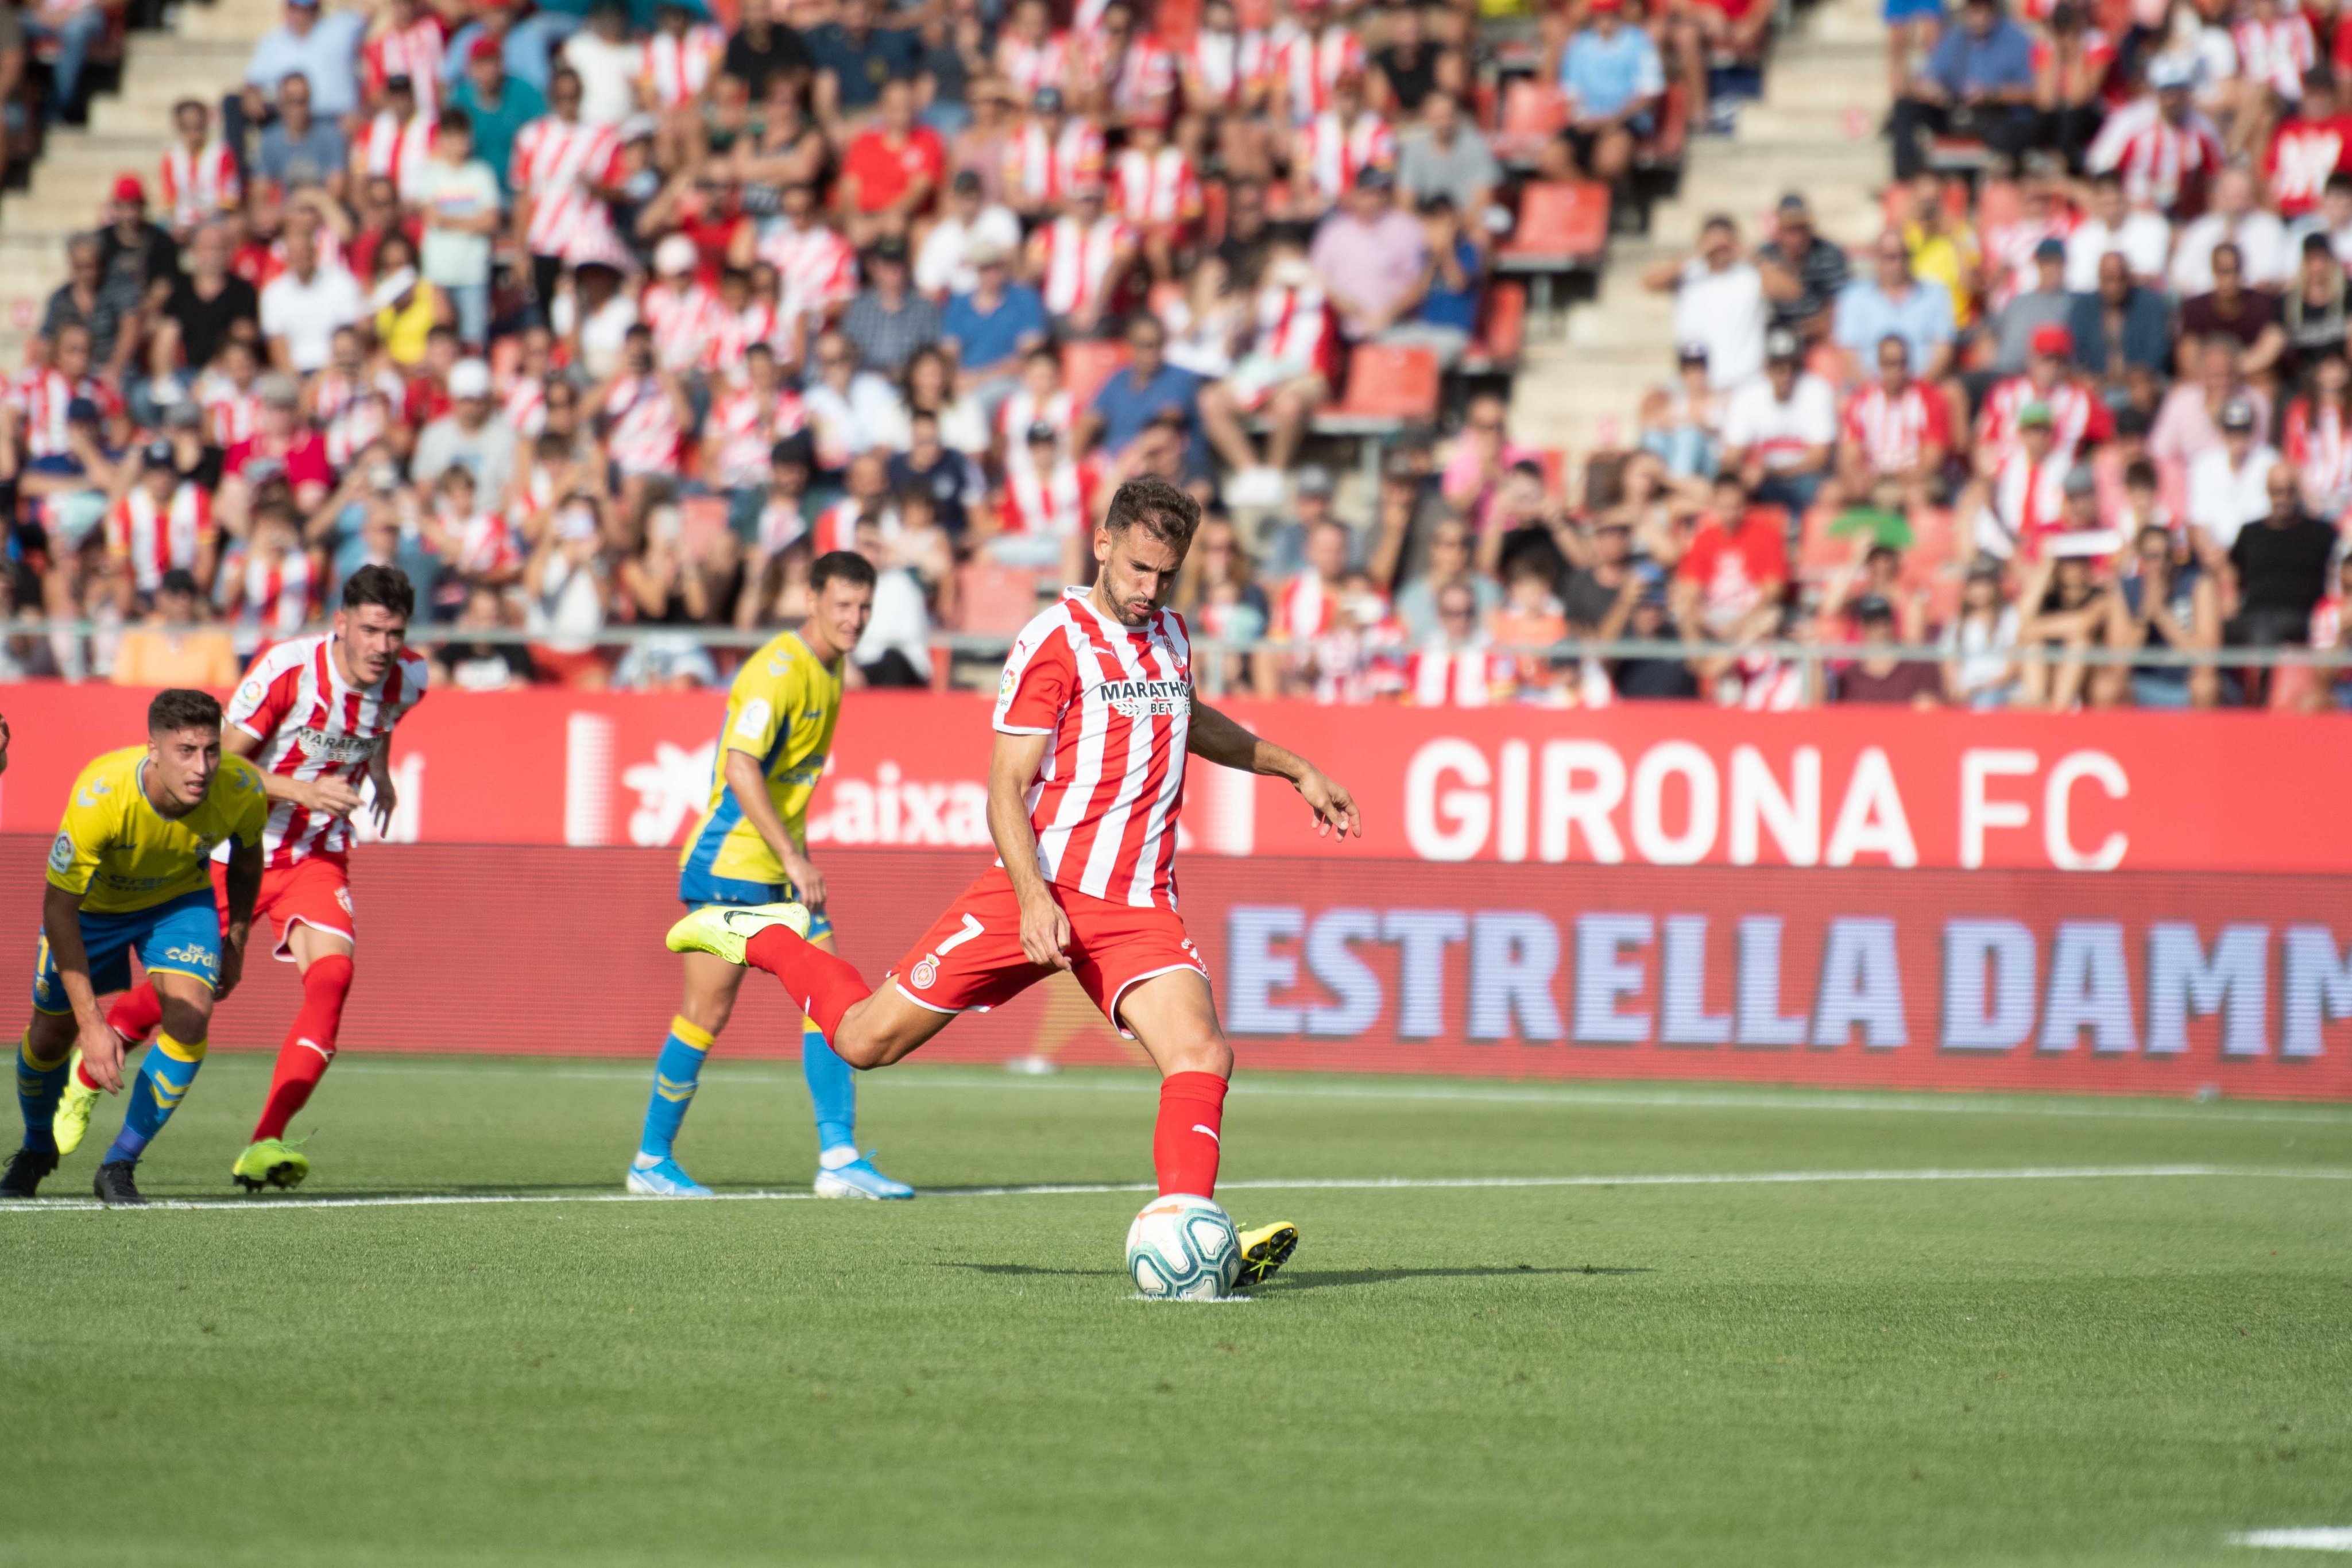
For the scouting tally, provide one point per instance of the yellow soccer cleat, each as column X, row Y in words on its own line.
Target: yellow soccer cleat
column 1264, row 1250
column 70, row 1125
column 722, row 929
column 270, row 1163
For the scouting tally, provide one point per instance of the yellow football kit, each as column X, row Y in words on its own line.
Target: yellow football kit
column 782, row 710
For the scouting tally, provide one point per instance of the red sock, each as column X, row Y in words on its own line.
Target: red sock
column 826, row 986
column 309, row 1045
column 136, row 1012
column 1184, row 1146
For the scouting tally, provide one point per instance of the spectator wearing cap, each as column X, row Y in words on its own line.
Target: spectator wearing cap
column 1614, row 81
column 498, row 103
column 158, row 652
column 2171, row 601
column 459, row 195
column 1719, row 304
column 1445, row 155
column 1979, row 82
column 2120, row 327
column 888, row 320
column 990, row 327
column 947, row 264
column 1370, row 257
column 470, row 434
column 1780, row 429
column 855, row 60
column 893, row 168
column 2227, row 482
column 1803, row 274
column 1893, row 303
column 2079, row 417
column 2139, row 235
column 2276, row 568
column 138, row 259
column 2161, row 144
column 2006, row 513
column 322, row 48
column 300, row 147
column 2030, row 309
column 2235, row 220
column 304, row 305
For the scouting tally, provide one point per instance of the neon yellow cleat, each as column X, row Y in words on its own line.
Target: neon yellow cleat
column 722, row 929
column 1264, row 1250
column 270, row 1163
column 72, row 1123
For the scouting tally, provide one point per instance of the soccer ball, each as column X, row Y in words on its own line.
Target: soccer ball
column 1183, row 1249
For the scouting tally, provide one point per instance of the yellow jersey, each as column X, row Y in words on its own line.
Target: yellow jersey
column 121, row 853
column 780, row 709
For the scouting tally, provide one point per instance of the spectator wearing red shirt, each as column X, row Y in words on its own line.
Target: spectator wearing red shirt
column 891, row 171
column 284, row 447
column 1728, row 584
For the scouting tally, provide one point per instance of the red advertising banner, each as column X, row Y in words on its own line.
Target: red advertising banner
column 1635, row 785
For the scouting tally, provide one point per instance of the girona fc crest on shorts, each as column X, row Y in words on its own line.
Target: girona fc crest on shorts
column 924, row 974
column 343, row 898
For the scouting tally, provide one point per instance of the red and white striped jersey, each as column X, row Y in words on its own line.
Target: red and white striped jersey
column 2320, row 448
column 1039, row 168
column 1303, row 610
column 1016, row 413
column 682, row 320
column 312, row 725
column 1028, row 67
column 2028, row 501
column 1086, row 17
column 641, row 426
column 1225, row 69
column 2303, row 153
column 816, row 266
column 266, row 599
column 481, row 544
column 353, row 411
column 1307, row 65
column 1155, row 187
column 1332, row 152
column 329, row 247
column 1118, row 706
column 525, row 405
column 2159, row 161
column 677, row 68
column 399, row 151
column 196, row 187
column 1144, row 74
column 2276, row 53
column 2076, row 416
column 1073, row 260
column 154, row 539
column 554, row 163
column 414, row 52
column 733, row 331
column 836, row 526
column 1449, row 677
column 1059, row 505
column 2008, row 251
column 747, row 423
column 234, row 412
column 41, row 401
column 1294, row 325
column 1894, row 430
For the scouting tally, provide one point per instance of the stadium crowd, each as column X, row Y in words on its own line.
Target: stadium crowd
column 619, row 319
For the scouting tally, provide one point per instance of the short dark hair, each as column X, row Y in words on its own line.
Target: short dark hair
column 455, row 122
column 180, row 709
column 1159, row 508
column 387, row 586
column 840, row 563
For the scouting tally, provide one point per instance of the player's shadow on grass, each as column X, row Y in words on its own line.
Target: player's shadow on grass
column 1317, row 1279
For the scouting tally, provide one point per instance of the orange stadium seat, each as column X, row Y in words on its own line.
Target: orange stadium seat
column 1391, row 383
column 1560, row 222
column 1087, row 365
column 994, row 599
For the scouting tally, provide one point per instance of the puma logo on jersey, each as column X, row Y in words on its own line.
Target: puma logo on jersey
column 1147, row 699
column 334, row 747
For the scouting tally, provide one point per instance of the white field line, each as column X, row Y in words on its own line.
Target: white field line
column 1301, row 1184
column 2307, row 1538
column 1880, row 1103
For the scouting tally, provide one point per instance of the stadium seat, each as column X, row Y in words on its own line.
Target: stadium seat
column 1502, row 332
column 1087, row 364
column 1819, row 551
column 1386, row 386
column 1533, row 113
column 1943, row 595
column 994, row 599
column 1554, row 460
column 1563, row 225
column 1664, row 148
column 2293, row 688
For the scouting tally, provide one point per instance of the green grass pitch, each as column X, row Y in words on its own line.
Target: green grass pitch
column 2122, row 1368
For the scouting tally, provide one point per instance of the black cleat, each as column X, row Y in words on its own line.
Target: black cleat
column 114, row 1186
column 25, row 1169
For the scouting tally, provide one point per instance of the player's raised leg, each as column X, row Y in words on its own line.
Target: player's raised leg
column 865, row 1028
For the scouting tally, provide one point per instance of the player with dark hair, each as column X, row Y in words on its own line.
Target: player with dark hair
column 1093, row 719
column 129, row 870
column 316, row 714
column 750, row 850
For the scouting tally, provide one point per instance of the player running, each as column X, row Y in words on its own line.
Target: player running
column 316, row 714
column 128, row 869
column 1093, row 719
column 751, row 849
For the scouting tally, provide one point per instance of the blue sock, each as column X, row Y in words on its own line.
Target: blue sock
column 676, row 1073
column 39, row 1087
column 833, row 1090
column 164, row 1079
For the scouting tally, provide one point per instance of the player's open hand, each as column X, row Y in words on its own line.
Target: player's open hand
column 101, row 1055
column 808, row 882
column 1044, row 932
column 335, row 797
column 1335, row 809
column 382, row 804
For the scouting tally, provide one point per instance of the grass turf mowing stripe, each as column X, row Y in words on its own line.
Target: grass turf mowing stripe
column 1298, row 1184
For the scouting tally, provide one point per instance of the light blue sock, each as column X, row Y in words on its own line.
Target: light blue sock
column 677, row 1073
column 164, row 1079
column 833, row 1090
column 39, row 1090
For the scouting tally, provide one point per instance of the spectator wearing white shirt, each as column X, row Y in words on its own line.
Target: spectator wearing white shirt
column 1718, row 303
column 850, row 409
column 2332, row 218
column 2143, row 235
column 304, row 305
column 944, row 265
column 460, row 198
column 2234, row 219
column 2228, row 485
column 608, row 62
column 1779, row 427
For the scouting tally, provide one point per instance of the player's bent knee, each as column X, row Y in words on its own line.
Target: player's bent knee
column 188, row 1018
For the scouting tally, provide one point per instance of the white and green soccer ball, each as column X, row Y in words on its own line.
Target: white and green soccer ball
column 1183, row 1249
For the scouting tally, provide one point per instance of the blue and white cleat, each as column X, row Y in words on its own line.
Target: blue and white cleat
column 664, row 1178
column 858, row 1178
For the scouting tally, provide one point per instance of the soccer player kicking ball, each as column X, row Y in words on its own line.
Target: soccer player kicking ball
column 1093, row 719
column 129, row 869
column 750, row 849
column 316, row 714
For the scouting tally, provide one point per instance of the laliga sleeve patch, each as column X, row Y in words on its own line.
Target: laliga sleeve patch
column 751, row 724
column 61, row 854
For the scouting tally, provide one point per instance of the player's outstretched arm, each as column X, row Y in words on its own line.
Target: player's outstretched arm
column 101, row 1048
column 244, row 887
column 1218, row 739
column 1012, row 767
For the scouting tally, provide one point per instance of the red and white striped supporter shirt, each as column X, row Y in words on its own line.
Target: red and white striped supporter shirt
column 1894, row 430
column 265, row 599
column 678, row 68
column 1228, row 67
column 400, row 151
column 196, row 187
column 2303, row 153
column 1076, row 259
column 836, row 526
column 1446, row 678
column 2276, row 53
column 1143, row 75
column 1307, row 66
column 1333, row 152
column 1293, row 325
column 747, row 423
column 414, row 52
column 2321, row 450
column 553, row 165
column 1016, row 413
column 1155, row 187
column 1303, row 610
column 2076, row 415
column 733, row 331
column 2028, row 501
column 312, row 725
column 2008, row 251
column 235, row 410
column 42, row 399
column 1028, row 67
column 525, row 405
column 682, row 320
column 816, row 266
column 481, row 544
column 156, row 540
column 1059, row 505
column 1118, row 706
column 1039, row 168
column 641, row 426
column 2158, row 160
